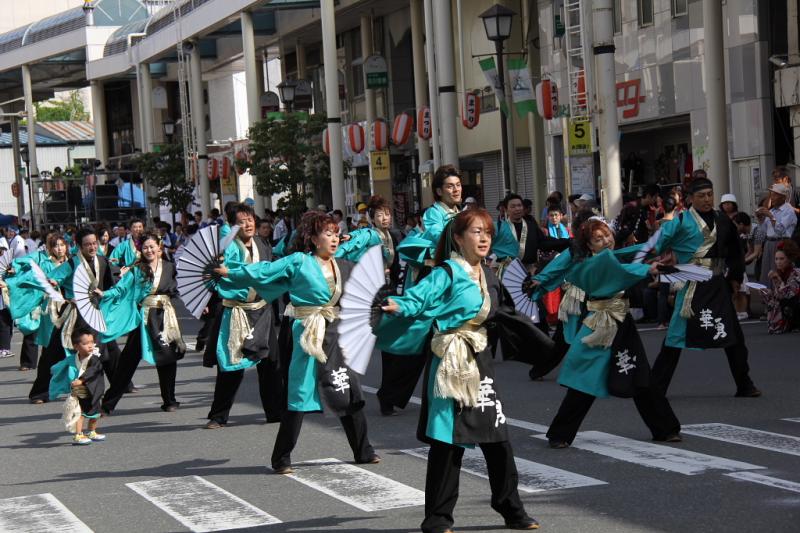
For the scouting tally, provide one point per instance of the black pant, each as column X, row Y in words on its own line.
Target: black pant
column 6, row 329
column 126, row 367
column 355, row 427
column 269, row 388
column 399, row 378
column 441, row 483
column 110, row 355
column 51, row 354
column 653, row 407
column 29, row 354
column 667, row 361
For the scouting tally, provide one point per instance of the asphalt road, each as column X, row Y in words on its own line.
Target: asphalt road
column 162, row 472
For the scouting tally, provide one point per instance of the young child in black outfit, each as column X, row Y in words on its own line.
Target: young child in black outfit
column 80, row 376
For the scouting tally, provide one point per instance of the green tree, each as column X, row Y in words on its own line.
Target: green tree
column 287, row 156
column 71, row 108
column 166, row 172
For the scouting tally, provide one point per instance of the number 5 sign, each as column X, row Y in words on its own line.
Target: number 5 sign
column 580, row 137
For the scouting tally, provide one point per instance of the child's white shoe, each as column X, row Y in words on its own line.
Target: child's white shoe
column 95, row 436
column 81, row 440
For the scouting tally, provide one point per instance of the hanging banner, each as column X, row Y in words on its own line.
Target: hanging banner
column 521, row 86
column 380, row 135
column 213, row 168
column 490, row 71
column 424, row 124
column 379, row 161
column 401, row 129
column 228, row 181
column 580, row 137
column 471, row 113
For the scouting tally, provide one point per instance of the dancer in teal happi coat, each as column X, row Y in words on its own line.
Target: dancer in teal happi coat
column 314, row 277
column 461, row 405
column 605, row 344
column 140, row 305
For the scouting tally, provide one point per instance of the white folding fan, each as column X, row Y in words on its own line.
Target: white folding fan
column 44, row 283
column 678, row 273
column 5, row 262
column 515, row 279
column 86, row 300
column 196, row 267
column 360, row 310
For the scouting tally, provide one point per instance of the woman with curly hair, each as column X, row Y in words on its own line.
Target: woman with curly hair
column 314, row 277
column 140, row 304
column 605, row 344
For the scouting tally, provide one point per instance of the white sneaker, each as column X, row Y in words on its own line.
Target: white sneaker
column 81, row 440
column 5, row 354
column 742, row 316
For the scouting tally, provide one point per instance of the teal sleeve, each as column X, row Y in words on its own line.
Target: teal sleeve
column 270, row 280
column 360, row 241
column 116, row 253
column 504, row 245
column 121, row 289
column 553, row 274
column 62, row 273
column 425, row 296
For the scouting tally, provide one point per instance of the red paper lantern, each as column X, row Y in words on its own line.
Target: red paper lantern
column 326, row 142
column 355, row 138
column 401, row 130
column 547, row 99
column 581, row 88
column 472, row 110
column 424, row 123
column 225, row 172
column 380, row 134
column 213, row 168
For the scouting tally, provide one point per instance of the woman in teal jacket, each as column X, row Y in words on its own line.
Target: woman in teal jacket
column 314, row 278
column 461, row 406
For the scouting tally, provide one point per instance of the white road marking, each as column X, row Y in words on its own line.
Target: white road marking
column 653, row 455
column 39, row 513
column 754, row 438
column 533, row 477
column 200, row 505
column 791, row 419
column 522, row 424
column 766, row 480
column 356, row 486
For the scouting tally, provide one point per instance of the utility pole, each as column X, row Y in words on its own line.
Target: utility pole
column 714, row 67
column 603, row 47
column 327, row 14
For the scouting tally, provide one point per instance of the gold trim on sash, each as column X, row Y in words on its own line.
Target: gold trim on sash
column 604, row 320
column 699, row 258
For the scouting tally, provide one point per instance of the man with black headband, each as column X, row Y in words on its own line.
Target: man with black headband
column 704, row 316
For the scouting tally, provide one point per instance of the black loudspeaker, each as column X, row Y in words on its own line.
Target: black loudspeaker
column 75, row 198
column 56, row 211
column 106, row 203
column 106, row 191
column 57, row 196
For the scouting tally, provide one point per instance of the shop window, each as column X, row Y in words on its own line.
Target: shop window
column 645, row 8
column 680, row 7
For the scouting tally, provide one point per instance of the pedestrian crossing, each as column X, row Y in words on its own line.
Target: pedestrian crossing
column 199, row 505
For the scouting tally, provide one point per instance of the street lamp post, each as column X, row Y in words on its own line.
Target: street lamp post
column 169, row 131
column 26, row 158
column 286, row 89
column 497, row 23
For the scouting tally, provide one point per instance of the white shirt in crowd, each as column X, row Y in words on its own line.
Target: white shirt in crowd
column 342, row 227
column 280, row 231
column 32, row 245
column 785, row 222
column 18, row 245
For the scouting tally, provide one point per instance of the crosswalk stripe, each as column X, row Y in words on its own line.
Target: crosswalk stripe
column 39, row 513
column 522, row 424
column 200, row 505
column 653, row 455
column 356, row 486
column 533, row 477
column 766, row 480
column 755, row 438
